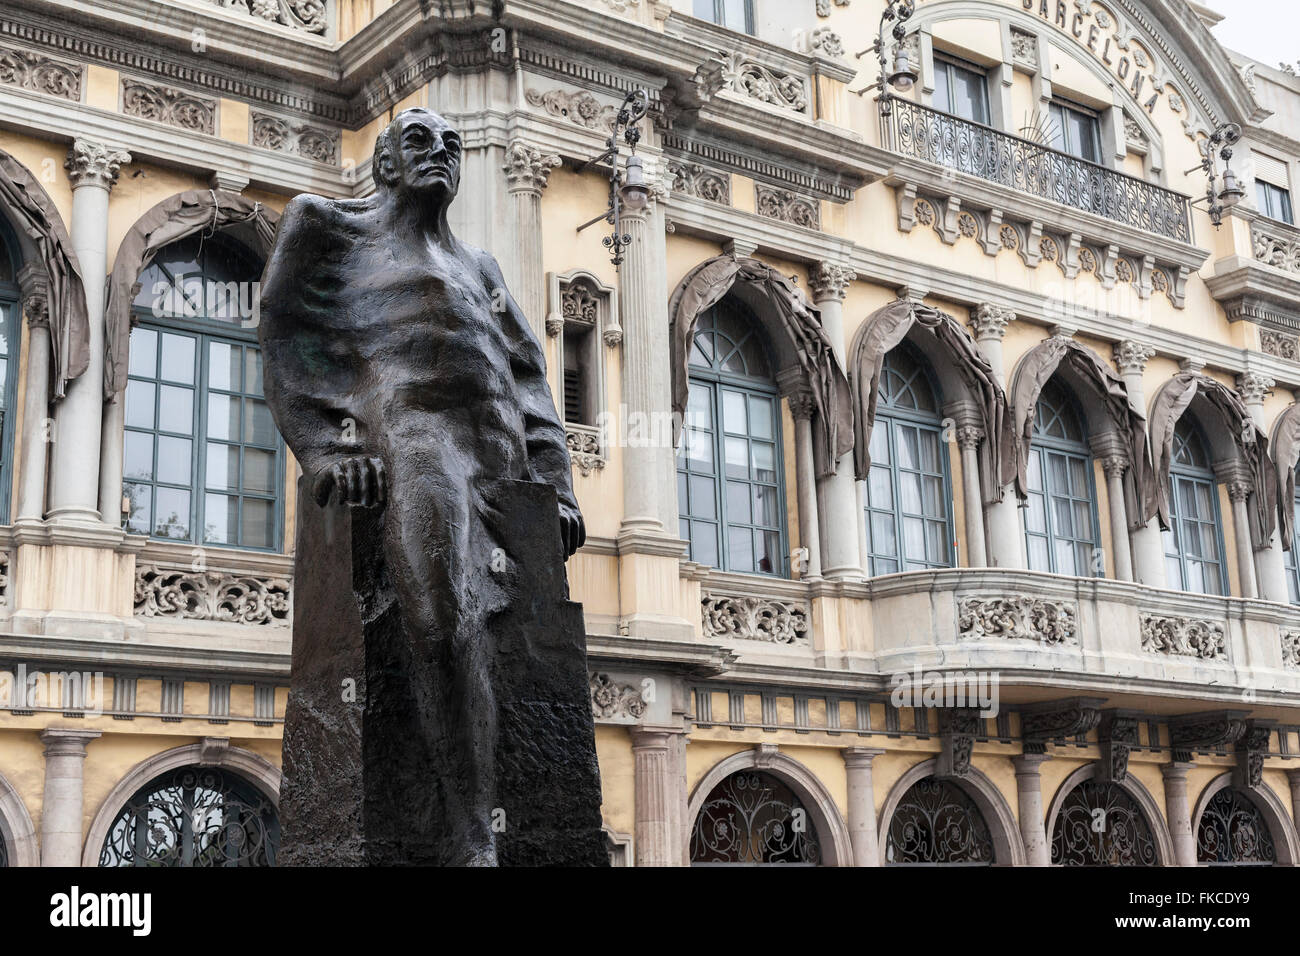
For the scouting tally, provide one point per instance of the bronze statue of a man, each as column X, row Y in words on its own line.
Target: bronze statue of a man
column 410, row 387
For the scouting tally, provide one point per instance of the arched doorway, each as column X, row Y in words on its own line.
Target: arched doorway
column 937, row 823
column 753, row 818
column 1233, row 832
column 1101, row 824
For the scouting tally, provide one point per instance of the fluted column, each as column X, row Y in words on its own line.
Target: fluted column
column 74, row 476
column 862, row 805
column 527, row 172
column 656, row 785
column 799, row 395
column 1006, row 531
column 829, row 281
column 37, row 429
column 1239, row 488
column 1147, row 542
column 1270, row 566
column 62, row 801
column 1178, row 812
column 1029, row 797
column 968, row 440
column 1114, row 467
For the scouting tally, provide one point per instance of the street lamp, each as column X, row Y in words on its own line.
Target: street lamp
column 1219, row 146
column 628, row 190
column 902, row 77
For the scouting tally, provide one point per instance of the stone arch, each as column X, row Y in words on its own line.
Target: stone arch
column 832, row 831
column 1164, row 842
column 793, row 329
column 1103, row 399
column 966, row 379
column 1232, row 435
column 43, row 240
column 1008, row 846
column 16, row 829
column 1285, row 839
column 211, row 752
column 1286, row 455
column 174, row 218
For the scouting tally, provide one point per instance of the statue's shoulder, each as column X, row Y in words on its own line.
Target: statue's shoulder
column 486, row 263
column 309, row 211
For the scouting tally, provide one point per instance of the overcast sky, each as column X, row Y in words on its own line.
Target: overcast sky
column 1267, row 30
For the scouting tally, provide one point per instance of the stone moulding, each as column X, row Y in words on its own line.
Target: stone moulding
column 41, row 74
column 754, row 619
column 1020, row 618
column 615, row 702
column 212, row 596
column 1183, row 637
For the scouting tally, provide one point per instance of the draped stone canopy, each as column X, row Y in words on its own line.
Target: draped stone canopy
column 1286, row 455
column 886, row 328
column 174, row 218
column 1251, row 444
column 794, row 327
column 33, row 214
column 1085, row 367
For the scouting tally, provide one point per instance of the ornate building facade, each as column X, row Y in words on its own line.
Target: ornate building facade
column 937, row 447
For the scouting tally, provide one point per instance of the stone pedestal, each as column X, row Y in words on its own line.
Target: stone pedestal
column 406, row 748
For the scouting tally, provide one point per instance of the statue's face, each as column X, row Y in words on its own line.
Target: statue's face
column 426, row 155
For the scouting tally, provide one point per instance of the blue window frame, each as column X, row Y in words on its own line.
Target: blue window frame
column 735, row 15
column 10, row 336
column 1075, row 130
column 909, row 486
column 203, row 461
column 730, row 477
column 1194, row 541
column 1274, row 201
column 961, row 89
column 1061, row 511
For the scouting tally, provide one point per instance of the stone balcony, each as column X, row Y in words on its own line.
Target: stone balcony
column 1263, row 287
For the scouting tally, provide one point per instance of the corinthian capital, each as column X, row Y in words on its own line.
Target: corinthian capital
column 990, row 321
column 528, row 169
column 94, row 164
column 1131, row 357
column 1252, row 386
column 829, row 280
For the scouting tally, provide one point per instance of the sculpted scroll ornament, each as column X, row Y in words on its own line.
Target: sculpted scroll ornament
column 212, row 596
column 307, row 15
column 1183, row 637
column 31, row 71
column 736, row 72
column 584, row 448
column 165, row 104
column 695, row 180
column 787, row 206
column 310, row 142
column 1279, row 344
column 578, row 107
column 754, row 619
column 1023, row 618
column 1291, row 650
column 611, row 700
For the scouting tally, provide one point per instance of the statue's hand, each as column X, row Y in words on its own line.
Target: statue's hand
column 573, row 532
column 360, row 481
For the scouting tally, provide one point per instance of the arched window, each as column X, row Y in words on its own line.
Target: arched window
column 1101, row 825
column 203, row 459
column 194, row 816
column 753, row 818
column 1233, row 832
column 1061, row 514
column 10, row 335
column 730, row 489
column 909, row 516
column 937, row 823
column 1194, row 541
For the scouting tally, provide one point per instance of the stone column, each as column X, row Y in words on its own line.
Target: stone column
column 1029, row 796
column 61, row 806
column 800, row 398
column 1239, row 489
column 1148, row 545
column 527, row 172
column 36, row 425
column 111, row 453
column 74, row 475
column 1179, row 812
column 1114, row 467
column 829, row 281
column 968, row 440
column 1006, row 530
column 1270, row 566
column 862, row 805
column 657, row 788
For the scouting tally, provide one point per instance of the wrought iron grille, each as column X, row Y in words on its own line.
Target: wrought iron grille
column 1233, row 830
column 1101, row 825
column 1025, row 166
column 194, row 816
column 938, row 823
column 750, row 819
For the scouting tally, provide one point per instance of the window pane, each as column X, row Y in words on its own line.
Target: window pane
column 223, row 366
column 172, row 518
column 699, row 408
column 740, row 548
column 914, row 538
column 138, row 456
column 1035, row 516
column 176, row 410
column 879, row 444
column 768, row 552
column 257, row 524
column 253, row 371
column 883, row 534
column 764, row 455
column 969, row 95
column 942, row 81
column 880, row 493
column 936, row 542
column 259, row 426
column 734, row 419
column 737, row 451
column 908, row 452
column 760, row 417
column 909, row 491
column 1064, row 557
column 220, row 519
column 223, row 467
column 140, row 510
column 765, row 510
column 703, row 498
column 143, row 357
column 174, row 464
column 704, row 543
column 223, row 417
column 1038, row 559
column 140, row 404
column 738, row 501
column 177, row 359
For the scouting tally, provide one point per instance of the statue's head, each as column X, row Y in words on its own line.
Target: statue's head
column 418, row 153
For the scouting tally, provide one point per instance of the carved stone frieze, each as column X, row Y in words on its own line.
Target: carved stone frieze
column 306, row 15
column 1183, row 637
column 212, row 596
column 1280, row 344
column 696, row 180
column 166, row 104
column 734, row 70
column 782, row 204
column 1213, row 730
column 1024, row 47
column 754, row 619
column 1021, row 618
column 584, row 447
column 1291, row 649
column 1275, row 246
column 302, row 139
column 4, row 578
column 613, row 701
column 1057, row 720
column 577, row 106
column 826, row 41
column 40, row 74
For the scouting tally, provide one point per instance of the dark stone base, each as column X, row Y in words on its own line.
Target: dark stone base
column 426, row 764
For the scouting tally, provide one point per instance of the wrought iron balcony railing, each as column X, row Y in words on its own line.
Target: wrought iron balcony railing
column 1028, row 167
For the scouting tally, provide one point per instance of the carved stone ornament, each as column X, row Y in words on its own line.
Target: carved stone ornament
column 1252, row 748
column 611, row 700
column 212, row 596
column 286, row 136
column 306, row 15
column 579, row 302
column 1183, row 637
column 1131, row 357
column 1118, row 736
column 990, row 321
column 826, row 41
column 165, row 104
column 754, row 619
column 1018, row 618
column 1275, row 247
column 583, row 443
column 1291, row 650
column 829, row 280
column 528, row 169
column 1279, row 344
column 734, row 70
column 1253, row 387
column 1024, row 47
column 94, row 164
column 1215, row 730
column 40, row 74
column 577, row 106
column 788, row 207
column 1057, row 720
column 958, row 728
column 696, row 180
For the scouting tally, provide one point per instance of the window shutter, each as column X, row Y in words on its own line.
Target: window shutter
column 1271, row 170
